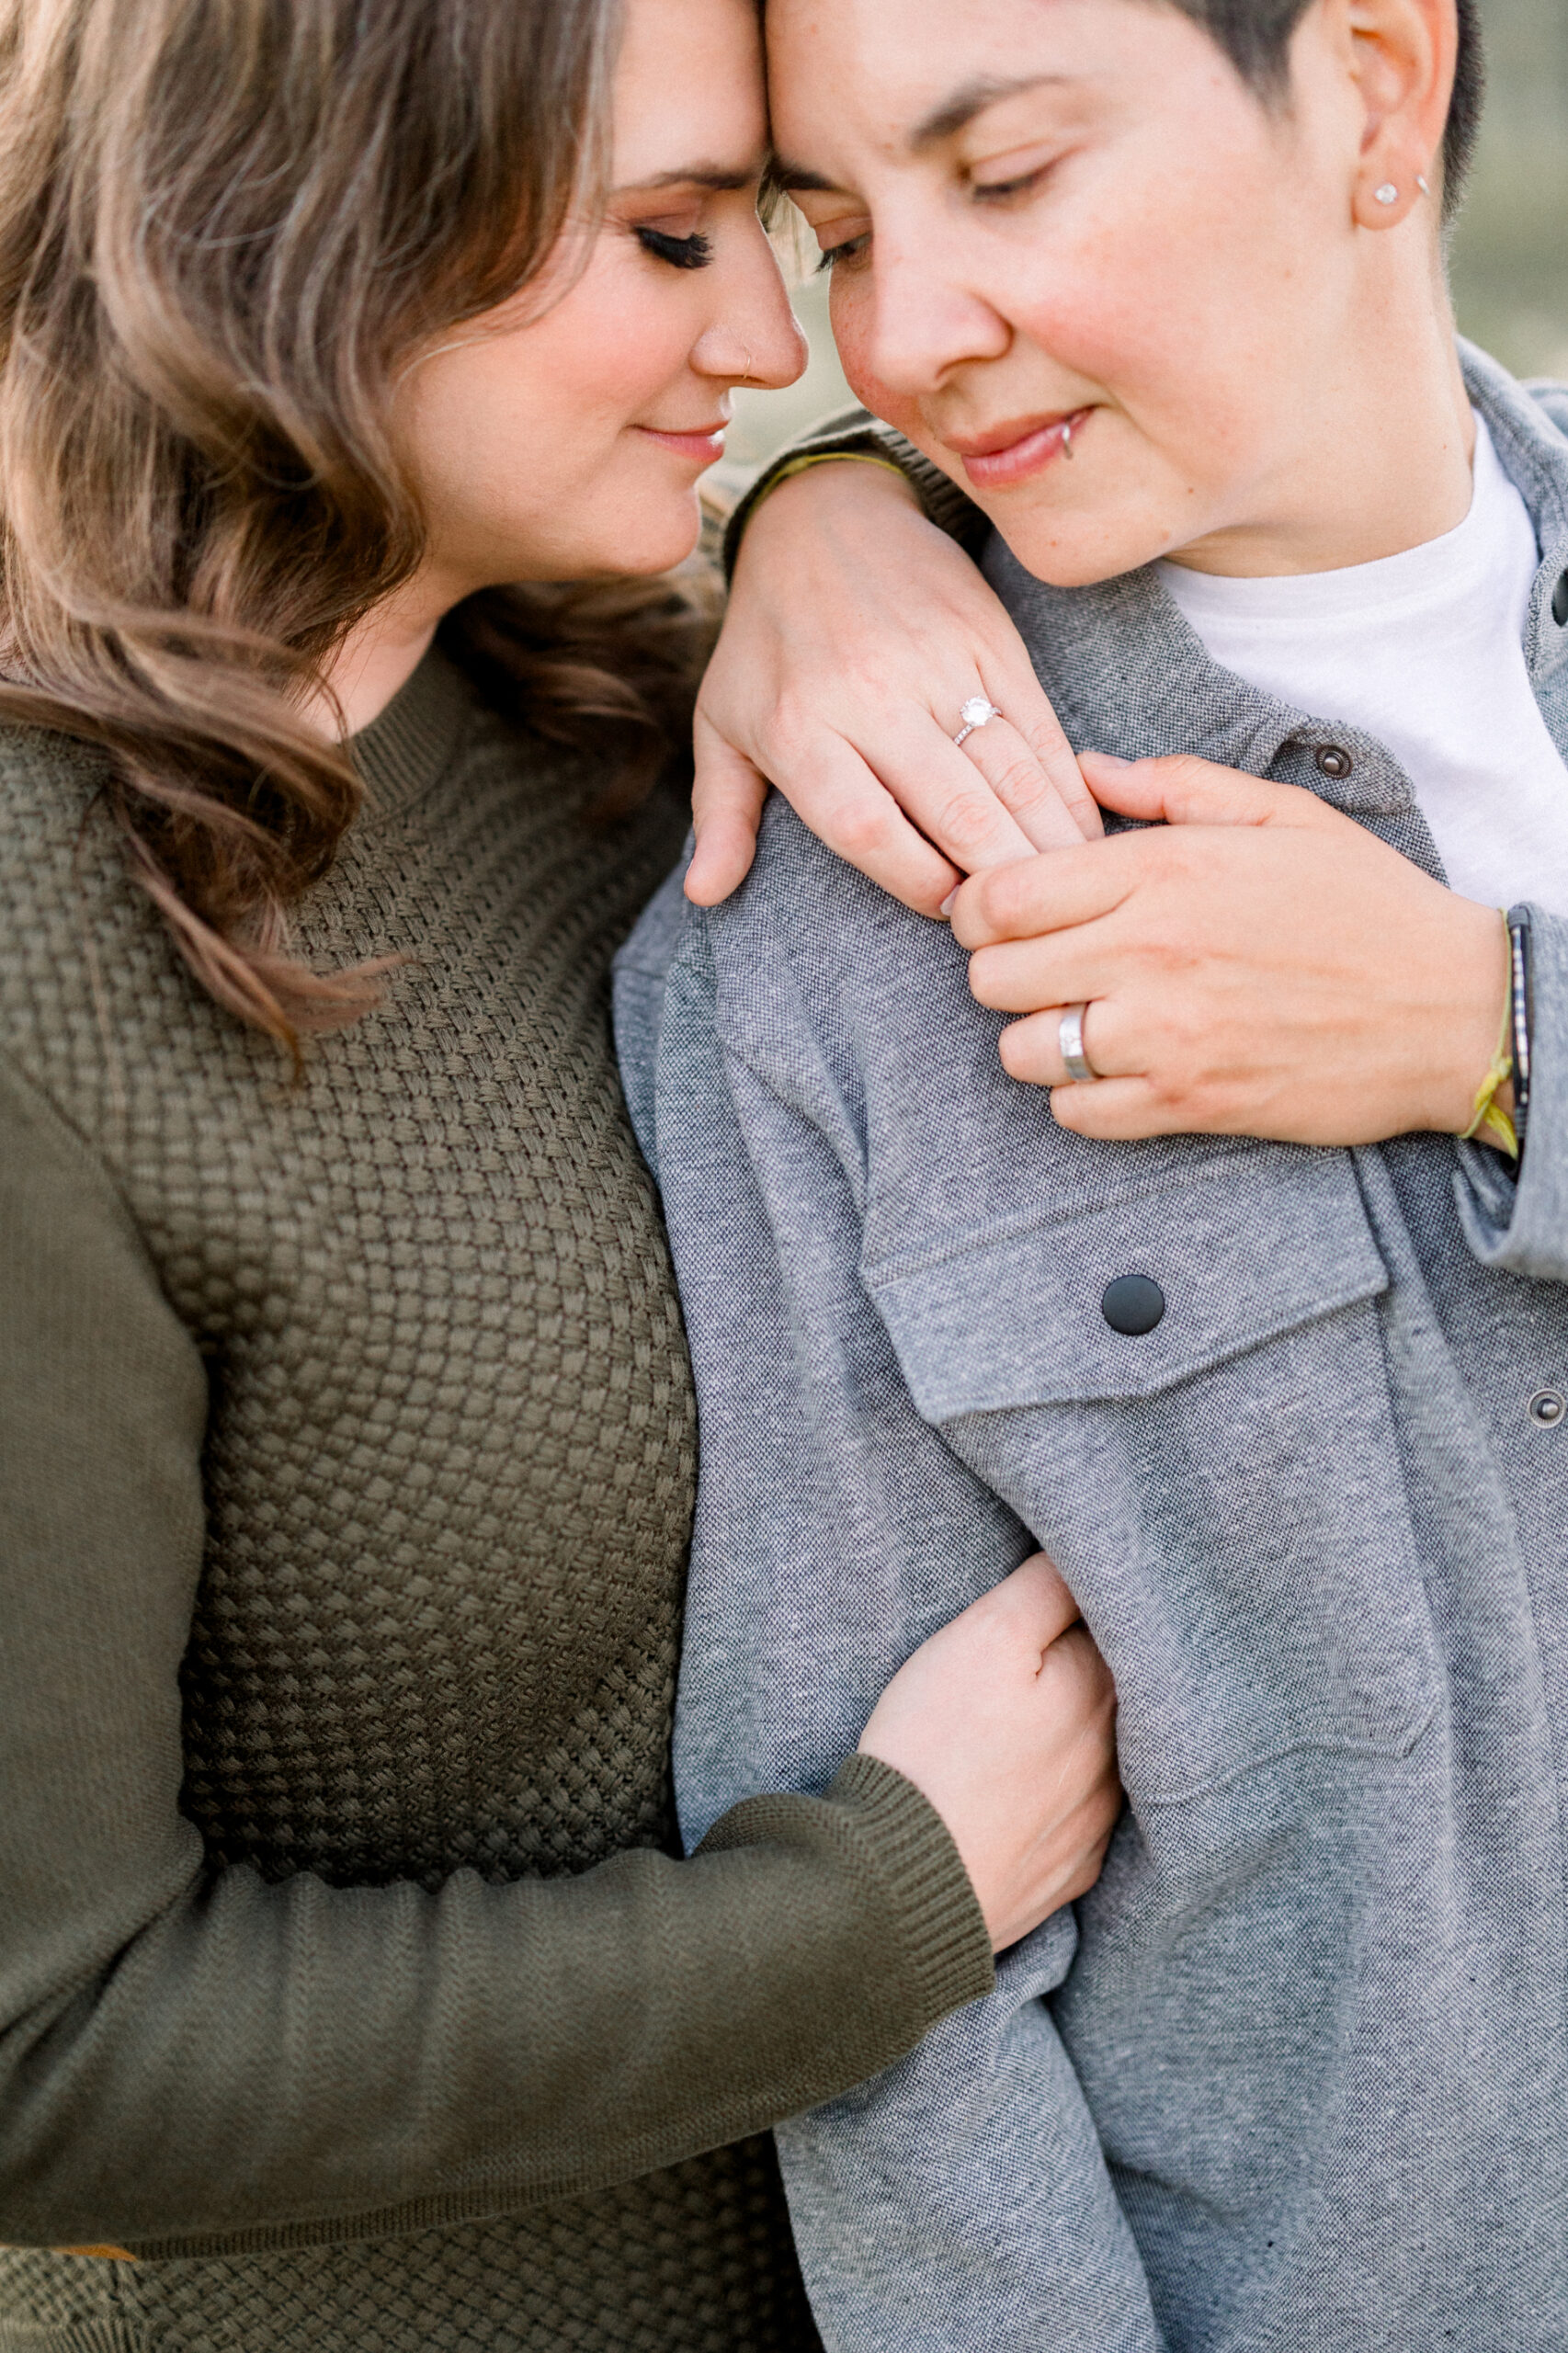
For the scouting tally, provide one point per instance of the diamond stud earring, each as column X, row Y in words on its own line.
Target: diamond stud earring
column 1387, row 194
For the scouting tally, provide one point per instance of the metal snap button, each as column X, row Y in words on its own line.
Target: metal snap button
column 1560, row 602
column 1547, row 1408
column 1333, row 760
column 1133, row 1304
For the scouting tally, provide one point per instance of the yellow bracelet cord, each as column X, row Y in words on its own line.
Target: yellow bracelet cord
column 1488, row 1119
column 826, row 458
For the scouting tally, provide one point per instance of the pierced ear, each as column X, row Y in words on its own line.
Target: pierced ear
column 1402, row 56
column 1384, row 203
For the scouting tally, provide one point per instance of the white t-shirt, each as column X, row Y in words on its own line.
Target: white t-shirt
column 1422, row 651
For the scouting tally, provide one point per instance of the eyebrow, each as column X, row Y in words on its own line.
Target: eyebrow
column 789, row 176
column 954, row 113
column 723, row 179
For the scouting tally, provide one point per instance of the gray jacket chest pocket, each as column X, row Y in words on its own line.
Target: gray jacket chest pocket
column 1183, row 1395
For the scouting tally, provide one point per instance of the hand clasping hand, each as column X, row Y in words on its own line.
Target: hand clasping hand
column 1258, row 965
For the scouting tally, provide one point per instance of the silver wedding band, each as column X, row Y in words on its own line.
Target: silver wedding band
column 975, row 713
column 1069, row 1044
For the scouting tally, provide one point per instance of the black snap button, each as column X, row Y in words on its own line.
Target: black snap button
column 1134, row 1303
column 1560, row 602
column 1334, row 759
column 1547, row 1408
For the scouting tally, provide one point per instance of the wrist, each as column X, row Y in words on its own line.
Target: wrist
column 835, row 514
column 1474, row 1017
column 840, row 485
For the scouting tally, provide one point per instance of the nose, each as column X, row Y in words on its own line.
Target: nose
column 755, row 339
column 925, row 320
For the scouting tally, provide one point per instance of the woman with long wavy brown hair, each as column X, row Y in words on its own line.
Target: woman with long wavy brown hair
column 352, row 1990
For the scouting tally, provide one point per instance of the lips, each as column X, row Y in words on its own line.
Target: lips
column 1016, row 451
column 702, row 444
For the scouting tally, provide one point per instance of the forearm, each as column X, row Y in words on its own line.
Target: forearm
column 962, row 2199
column 198, row 2057
column 266, row 2064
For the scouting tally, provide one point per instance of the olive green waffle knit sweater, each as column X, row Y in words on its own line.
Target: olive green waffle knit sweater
column 347, row 1974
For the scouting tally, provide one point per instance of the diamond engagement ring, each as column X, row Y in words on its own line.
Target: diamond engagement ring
column 1069, row 1044
column 975, row 713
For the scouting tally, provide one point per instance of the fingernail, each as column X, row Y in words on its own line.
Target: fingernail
column 1110, row 759
column 945, row 909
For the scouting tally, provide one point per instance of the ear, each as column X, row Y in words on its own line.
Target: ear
column 1401, row 56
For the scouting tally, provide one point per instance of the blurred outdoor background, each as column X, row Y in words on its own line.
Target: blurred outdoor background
column 1509, row 255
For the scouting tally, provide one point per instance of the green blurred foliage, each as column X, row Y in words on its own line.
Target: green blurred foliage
column 1509, row 257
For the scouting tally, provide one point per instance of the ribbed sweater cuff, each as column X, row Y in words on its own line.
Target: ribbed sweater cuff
column 941, row 500
column 85, row 2334
column 928, row 1889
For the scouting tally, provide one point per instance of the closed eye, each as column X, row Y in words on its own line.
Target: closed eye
column 999, row 191
column 682, row 253
column 852, row 249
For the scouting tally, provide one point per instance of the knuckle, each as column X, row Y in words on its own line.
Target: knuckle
column 967, row 817
column 1162, row 854
column 860, row 825
column 998, row 897
column 1021, row 779
column 988, row 968
column 790, row 728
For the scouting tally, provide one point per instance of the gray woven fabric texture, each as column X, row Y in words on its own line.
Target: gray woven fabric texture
column 1293, row 2073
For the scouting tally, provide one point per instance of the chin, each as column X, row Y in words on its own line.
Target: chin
column 653, row 539
column 1077, row 551
column 637, row 544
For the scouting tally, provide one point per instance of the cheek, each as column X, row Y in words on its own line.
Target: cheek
column 1187, row 296
column 850, row 310
column 1185, row 348
column 602, row 368
column 1115, row 329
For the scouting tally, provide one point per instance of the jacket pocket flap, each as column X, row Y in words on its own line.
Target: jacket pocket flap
column 1240, row 1249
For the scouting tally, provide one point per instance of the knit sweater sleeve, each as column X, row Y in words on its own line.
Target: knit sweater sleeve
column 196, row 2058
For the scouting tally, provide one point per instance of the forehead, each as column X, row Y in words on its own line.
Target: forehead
column 843, row 71
column 689, row 87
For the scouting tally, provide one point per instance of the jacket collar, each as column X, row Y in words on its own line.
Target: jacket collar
column 1128, row 674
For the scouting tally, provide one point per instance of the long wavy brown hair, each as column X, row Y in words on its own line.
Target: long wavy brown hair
column 223, row 223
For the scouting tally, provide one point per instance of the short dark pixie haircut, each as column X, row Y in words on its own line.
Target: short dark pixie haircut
column 1255, row 36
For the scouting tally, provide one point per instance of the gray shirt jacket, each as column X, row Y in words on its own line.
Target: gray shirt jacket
column 1295, row 2073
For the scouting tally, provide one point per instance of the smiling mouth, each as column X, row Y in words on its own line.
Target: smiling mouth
column 703, row 444
column 1016, row 452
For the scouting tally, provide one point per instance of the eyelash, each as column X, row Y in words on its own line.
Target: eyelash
column 993, row 192
column 681, row 253
column 1001, row 189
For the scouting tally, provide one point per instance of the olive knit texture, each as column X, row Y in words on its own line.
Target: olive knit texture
column 348, row 1973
